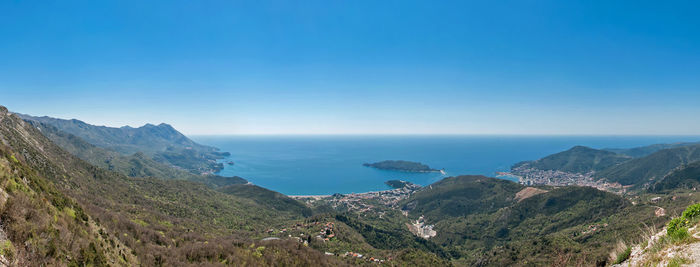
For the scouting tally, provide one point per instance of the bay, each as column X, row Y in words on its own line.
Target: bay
column 322, row 165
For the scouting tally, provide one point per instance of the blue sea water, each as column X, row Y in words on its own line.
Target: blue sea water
column 320, row 165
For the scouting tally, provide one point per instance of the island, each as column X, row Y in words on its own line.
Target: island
column 401, row 165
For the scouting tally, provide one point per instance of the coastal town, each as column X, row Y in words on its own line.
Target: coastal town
column 528, row 175
column 363, row 202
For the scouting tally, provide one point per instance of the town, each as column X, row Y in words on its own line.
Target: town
column 532, row 176
column 362, row 202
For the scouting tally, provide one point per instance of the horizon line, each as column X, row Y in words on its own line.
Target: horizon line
column 442, row 134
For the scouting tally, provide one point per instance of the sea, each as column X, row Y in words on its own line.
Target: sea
column 324, row 165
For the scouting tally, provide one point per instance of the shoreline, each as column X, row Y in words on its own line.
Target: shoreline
column 309, row 196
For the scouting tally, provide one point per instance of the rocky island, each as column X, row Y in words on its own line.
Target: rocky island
column 401, row 165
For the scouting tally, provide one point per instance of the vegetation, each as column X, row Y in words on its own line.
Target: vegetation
column 268, row 198
column 42, row 226
column 68, row 201
column 461, row 196
column 638, row 152
column 135, row 165
column 677, row 228
column 161, row 142
column 651, row 168
column 397, row 183
column 140, row 221
column 623, row 256
column 579, row 159
column 401, row 165
column 686, row 177
column 641, row 167
column 478, row 221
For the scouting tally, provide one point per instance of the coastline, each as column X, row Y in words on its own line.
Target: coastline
column 316, row 197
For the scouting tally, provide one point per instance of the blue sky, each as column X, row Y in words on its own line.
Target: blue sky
column 357, row 67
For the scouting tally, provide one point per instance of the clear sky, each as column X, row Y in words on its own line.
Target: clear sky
column 357, row 67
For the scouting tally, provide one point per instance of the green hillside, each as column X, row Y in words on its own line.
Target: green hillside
column 134, row 209
column 651, row 168
column 461, row 196
column 161, row 142
column 42, row 226
column 686, row 177
column 135, row 165
column 579, row 159
column 164, row 222
column 642, row 151
column 479, row 222
column 268, row 198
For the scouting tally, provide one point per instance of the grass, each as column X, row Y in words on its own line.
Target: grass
column 677, row 261
column 622, row 257
column 7, row 249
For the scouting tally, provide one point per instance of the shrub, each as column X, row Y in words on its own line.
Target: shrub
column 677, row 228
column 691, row 212
column 623, row 256
column 7, row 249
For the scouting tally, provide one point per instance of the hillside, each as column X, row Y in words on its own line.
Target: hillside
column 42, row 226
column 651, row 168
column 461, row 196
column 686, row 177
column 135, row 165
column 161, row 142
column 601, row 165
column 164, row 222
column 579, row 159
column 479, row 221
column 642, row 151
column 268, row 198
column 142, row 219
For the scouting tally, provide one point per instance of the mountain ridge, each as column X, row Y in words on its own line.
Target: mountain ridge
column 161, row 142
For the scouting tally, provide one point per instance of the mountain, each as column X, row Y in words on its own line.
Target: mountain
column 642, row 151
column 614, row 167
column 40, row 224
column 461, row 196
column 685, row 177
column 161, row 142
column 67, row 201
column 479, row 221
column 579, row 159
column 135, row 165
column 652, row 167
column 142, row 221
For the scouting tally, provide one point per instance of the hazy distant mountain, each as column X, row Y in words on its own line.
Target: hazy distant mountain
column 161, row 142
column 652, row 167
column 622, row 168
column 579, row 159
column 135, row 165
column 646, row 150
